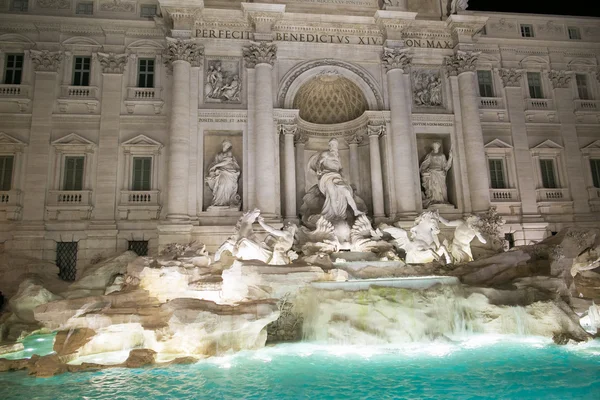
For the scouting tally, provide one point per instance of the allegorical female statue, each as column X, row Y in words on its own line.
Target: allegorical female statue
column 433, row 170
column 222, row 179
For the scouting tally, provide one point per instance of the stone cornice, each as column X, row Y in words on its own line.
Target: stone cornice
column 396, row 59
column 464, row 27
column 560, row 79
column 510, row 77
column 460, row 62
column 262, row 17
column 260, row 53
column 112, row 63
column 183, row 50
column 394, row 24
column 45, row 60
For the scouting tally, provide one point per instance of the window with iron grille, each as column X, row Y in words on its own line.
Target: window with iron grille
column 73, row 174
column 146, row 73
column 510, row 238
column 595, row 166
column 147, row 10
column 142, row 170
column 582, row 88
column 140, row 247
column 486, row 87
column 548, row 176
column 85, row 8
column 526, row 30
column 6, row 171
column 13, row 69
column 66, row 260
column 534, row 81
column 574, row 33
column 81, row 71
column 497, row 174
column 19, row 5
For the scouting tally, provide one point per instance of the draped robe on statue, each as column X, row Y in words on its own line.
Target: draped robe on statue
column 223, row 179
column 433, row 174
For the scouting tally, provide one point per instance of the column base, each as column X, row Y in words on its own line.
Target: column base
column 177, row 219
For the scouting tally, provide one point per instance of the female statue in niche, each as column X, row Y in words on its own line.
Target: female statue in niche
column 433, row 170
column 222, row 179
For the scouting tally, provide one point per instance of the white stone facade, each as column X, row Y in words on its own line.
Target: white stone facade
column 278, row 79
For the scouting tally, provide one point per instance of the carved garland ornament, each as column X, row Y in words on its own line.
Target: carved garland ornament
column 45, row 60
column 183, row 50
column 511, row 77
column 559, row 79
column 260, row 53
column 376, row 130
column 59, row 4
column 462, row 61
column 396, row 59
column 112, row 63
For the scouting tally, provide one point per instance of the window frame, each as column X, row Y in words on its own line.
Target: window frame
column 133, row 187
column 89, row 5
column 491, row 83
column 146, row 73
column 549, row 150
column 143, row 6
column 522, row 28
column 577, row 32
column 141, row 146
column 13, row 69
column 533, row 95
column 73, row 145
column 501, row 162
column 585, row 86
column 545, row 183
column 20, row 9
column 15, row 148
column 595, row 178
column 11, row 177
column 73, row 185
column 82, row 71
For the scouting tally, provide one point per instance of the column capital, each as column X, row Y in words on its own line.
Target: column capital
column 376, row 130
column 354, row 139
column 287, row 129
column 396, row 58
column 560, row 79
column 44, row 60
column 300, row 138
column 460, row 62
column 183, row 50
column 511, row 77
column 112, row 63
column 260, row 53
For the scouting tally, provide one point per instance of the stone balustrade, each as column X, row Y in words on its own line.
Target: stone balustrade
column 9, row 198
column 539, row 104
column 491, row 103
column 14, row 91
column 501, row 195
column 139, row 197
column 587, row 105
column 69, row 197
column 135, row 93
column 552, row 195
column 79, row 92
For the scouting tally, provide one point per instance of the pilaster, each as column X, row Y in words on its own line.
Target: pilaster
column 289, row 167
column 374, row 132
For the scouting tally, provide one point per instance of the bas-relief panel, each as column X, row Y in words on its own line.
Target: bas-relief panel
column 427, row 88
column 222, row 80
column 118, row 6
column 58, row 4
column 213, row 144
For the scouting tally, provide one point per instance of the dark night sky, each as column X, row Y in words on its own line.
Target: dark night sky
column 557, row 7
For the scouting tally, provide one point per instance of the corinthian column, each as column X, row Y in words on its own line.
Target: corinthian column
column 261, row 57
column 376, row 175
column 463, row 65
column 289, row 177
column 353, row 142
column 180, row 55
column 403, row 142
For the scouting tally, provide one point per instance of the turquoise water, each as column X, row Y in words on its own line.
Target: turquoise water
column 33, row 344
column 483, row 367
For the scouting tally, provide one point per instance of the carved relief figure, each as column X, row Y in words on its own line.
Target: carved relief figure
column 222, row 83
column 222, row 178
column 433, row 170
column 466, row 230
column 427, row 91
column 338, row 193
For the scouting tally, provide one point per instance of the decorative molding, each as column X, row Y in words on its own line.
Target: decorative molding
column 376, row 130
column 59, row 4
column 396, row 59
column 547, row 145
column 462, row 61
column 503, row 25
column 427, row 88
column 183, row 50
column 260, row 53
column 560, row 79
column 11, row 144
column 511, row 77
column 45, row 60
column 355, row 138
column 285, row 129
column 592, row 148
column 550, row 27
column 112, row 63
column 73, row 143
column 497, row 144
column 118, row 6
column 142, row 142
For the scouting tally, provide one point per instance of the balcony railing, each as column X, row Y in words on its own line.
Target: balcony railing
column 491, row 103
column 140, row 198
column 143, row 93
column 79, row 92
column 539, row 104
column 552, row 195
column 10, row 198
column 69, row 198
column 587, row 105
column 500, row 195
column 14, row 91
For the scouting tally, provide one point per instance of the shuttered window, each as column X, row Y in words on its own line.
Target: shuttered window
column 486, row 88
column 548, row 176
column 595, row 166
column 6, row 171
column 142, row 170
column 73, row 176
column 497, row 174
column 534, row 80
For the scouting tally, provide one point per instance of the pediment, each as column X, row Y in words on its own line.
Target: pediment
column 145, row 44
column 81, row 41
column 593, row 147
column 72, row 139
column 142, row 140
column 534, row 61
column 497, row 144
column 548, row 145
column 15, row 39
column 7, row 140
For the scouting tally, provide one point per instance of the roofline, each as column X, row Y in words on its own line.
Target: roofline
column 528, row 15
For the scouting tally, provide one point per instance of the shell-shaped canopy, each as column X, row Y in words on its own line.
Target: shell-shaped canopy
column 330, row 99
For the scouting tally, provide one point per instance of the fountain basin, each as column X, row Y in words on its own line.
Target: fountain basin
column 416, row 283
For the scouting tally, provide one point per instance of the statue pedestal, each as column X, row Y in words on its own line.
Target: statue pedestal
column 224, row 209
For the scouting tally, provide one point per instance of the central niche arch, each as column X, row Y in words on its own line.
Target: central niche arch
column 293, row 83
column 330, row 98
